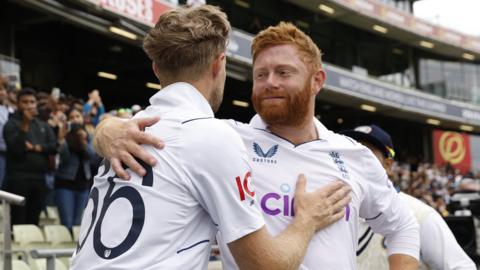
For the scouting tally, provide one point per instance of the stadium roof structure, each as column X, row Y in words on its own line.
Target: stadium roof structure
column 344, row 86
column 382, row 19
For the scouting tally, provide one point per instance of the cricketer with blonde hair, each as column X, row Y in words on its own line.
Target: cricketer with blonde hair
column 167, row 217
column 285, row 139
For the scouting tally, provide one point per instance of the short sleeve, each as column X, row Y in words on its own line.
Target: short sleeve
column 220, row 178
column 386, row 213
column 380, row 191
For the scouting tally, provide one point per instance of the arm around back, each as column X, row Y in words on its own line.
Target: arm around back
column 118, row 140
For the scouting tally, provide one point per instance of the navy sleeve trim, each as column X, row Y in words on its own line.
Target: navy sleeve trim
column 194, row 245
column 375, row 217
column 190, row 120
column 351, row 140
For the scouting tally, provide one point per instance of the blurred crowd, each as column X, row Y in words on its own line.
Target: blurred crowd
column 434, row 185
column 46, row 152
column 46, row 155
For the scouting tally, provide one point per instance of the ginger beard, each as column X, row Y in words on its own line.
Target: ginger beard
column 292, row 111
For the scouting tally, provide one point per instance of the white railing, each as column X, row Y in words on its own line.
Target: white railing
column 7, row 199
column 50, row 255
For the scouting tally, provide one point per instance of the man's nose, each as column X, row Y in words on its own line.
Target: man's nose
column 272, row 81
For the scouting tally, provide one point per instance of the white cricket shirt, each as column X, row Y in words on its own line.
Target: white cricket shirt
column 276, row 164
column 439, row 249
column 168, row 219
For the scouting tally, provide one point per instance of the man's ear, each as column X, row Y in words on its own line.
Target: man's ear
column 217, row 64
column 318, row 80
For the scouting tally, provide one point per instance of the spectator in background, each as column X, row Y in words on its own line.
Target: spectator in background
column 430, row 183
column 57, row 119
column 44, row 105
column 3, row 120
column 72, row 179
column 94, row 107
column 52, row 109
column 77, row 104
column 62, row 105
column 50, row 112
column 29, row 142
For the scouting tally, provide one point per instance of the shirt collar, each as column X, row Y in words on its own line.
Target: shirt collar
column 182, row 93
column 323, row 132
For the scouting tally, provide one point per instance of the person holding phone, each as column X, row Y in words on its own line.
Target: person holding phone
column 73, row 176
column 94, row 108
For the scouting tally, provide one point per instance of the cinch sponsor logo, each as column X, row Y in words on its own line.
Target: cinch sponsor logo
column 245, row 187
column 287, row 203
column 262, row 156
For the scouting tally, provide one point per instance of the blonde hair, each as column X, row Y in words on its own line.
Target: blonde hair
column 287, row 33
column 185, row 40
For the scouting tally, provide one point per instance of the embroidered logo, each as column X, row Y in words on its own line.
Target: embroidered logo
column 264, row 157
column 340, row 164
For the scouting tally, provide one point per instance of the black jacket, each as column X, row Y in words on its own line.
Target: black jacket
column 20, row 162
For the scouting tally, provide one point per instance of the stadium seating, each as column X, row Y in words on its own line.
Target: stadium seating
column 58, row 236
column 20, row 265
column 28, row 236
column 50, row 216
column 76, row 233
column 41, row 264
